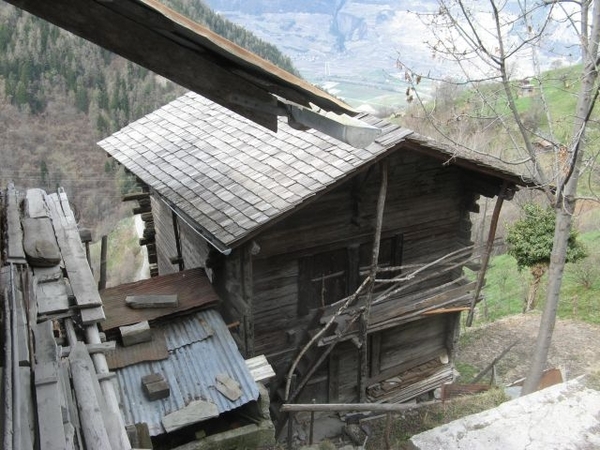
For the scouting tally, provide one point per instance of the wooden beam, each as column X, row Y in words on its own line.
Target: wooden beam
column 504, row 191
column 359, row 407
column 78, row 271
column 14, row 250
column 365, row 317
column 152, row 301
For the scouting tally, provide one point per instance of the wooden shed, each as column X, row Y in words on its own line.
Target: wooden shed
column 357, row 252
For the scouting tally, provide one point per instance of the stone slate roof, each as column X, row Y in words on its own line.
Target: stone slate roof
column 229, row 177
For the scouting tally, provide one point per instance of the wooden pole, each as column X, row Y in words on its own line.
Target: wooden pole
column 177, row 241
column 103, row 252
column 388, row 429
column 364, row 323
column 359, row 407
column 7, row 373
column 92, row 423
column 16, row 379
column 488, row 251
column 491, row 365
column 118, row 434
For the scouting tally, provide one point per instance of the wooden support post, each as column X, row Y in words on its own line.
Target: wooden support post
column 103, row 252
column 312, row 424
column 388, row 429
column 488, row 250
column 364, row 323
column 177, row 241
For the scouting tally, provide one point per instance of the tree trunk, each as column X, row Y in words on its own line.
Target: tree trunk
column 537, row 272
column 565, row 205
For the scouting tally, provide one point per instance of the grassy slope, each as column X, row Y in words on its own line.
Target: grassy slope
column 580, row 294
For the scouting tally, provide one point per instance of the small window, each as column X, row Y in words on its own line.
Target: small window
column 330, row 276
column 323, row 279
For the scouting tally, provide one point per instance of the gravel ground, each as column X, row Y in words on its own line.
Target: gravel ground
column 575, row 346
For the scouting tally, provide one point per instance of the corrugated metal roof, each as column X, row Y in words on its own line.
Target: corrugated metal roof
column 200, row 348
column 192, row 287
column 231, row 177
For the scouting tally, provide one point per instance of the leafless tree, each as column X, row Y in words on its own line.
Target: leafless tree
column 486, row 41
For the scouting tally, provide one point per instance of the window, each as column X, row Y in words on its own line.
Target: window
column 327, row 277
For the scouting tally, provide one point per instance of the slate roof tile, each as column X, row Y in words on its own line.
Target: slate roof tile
column 232, row 176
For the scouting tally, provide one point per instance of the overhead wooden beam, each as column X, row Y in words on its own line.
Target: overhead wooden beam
column 158, row 38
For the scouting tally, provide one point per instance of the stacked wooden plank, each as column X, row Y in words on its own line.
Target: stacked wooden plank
column 41, row 298
column 411, row 384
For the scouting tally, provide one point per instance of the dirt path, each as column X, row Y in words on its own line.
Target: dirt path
column 575, row 346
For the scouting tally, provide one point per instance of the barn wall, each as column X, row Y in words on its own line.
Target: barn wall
column 424, row 203
column 193, row 247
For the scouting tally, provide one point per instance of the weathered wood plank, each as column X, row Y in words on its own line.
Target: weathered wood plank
column 27, row 428
column 35, row 204
column 228, row 386
column 195, row 411
column 46, row 350
column 14, row 250
column 92, row 315
column 22, row 325
column 50, row 426
column 152, row 301
column 77, row 268
column 52, row 297
column 136, row 333
column 259, row 368
column 78, row 271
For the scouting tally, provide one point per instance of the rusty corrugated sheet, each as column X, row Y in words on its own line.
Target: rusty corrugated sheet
column 192, row 287
column 153, row 350
column 200, row 347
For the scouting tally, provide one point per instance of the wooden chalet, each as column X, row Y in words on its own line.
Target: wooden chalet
column 288, row 226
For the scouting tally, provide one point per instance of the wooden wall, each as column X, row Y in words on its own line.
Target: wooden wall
column 194, row 248
column 426, row 202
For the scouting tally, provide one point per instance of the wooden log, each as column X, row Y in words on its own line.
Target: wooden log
column 136, row 333
column 196, row 411
column 88, row 403
column 103, row 262
column 365, row 407
column 152, row 301
column 101, row 347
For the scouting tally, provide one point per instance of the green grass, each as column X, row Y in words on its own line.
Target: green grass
column 506, row 287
